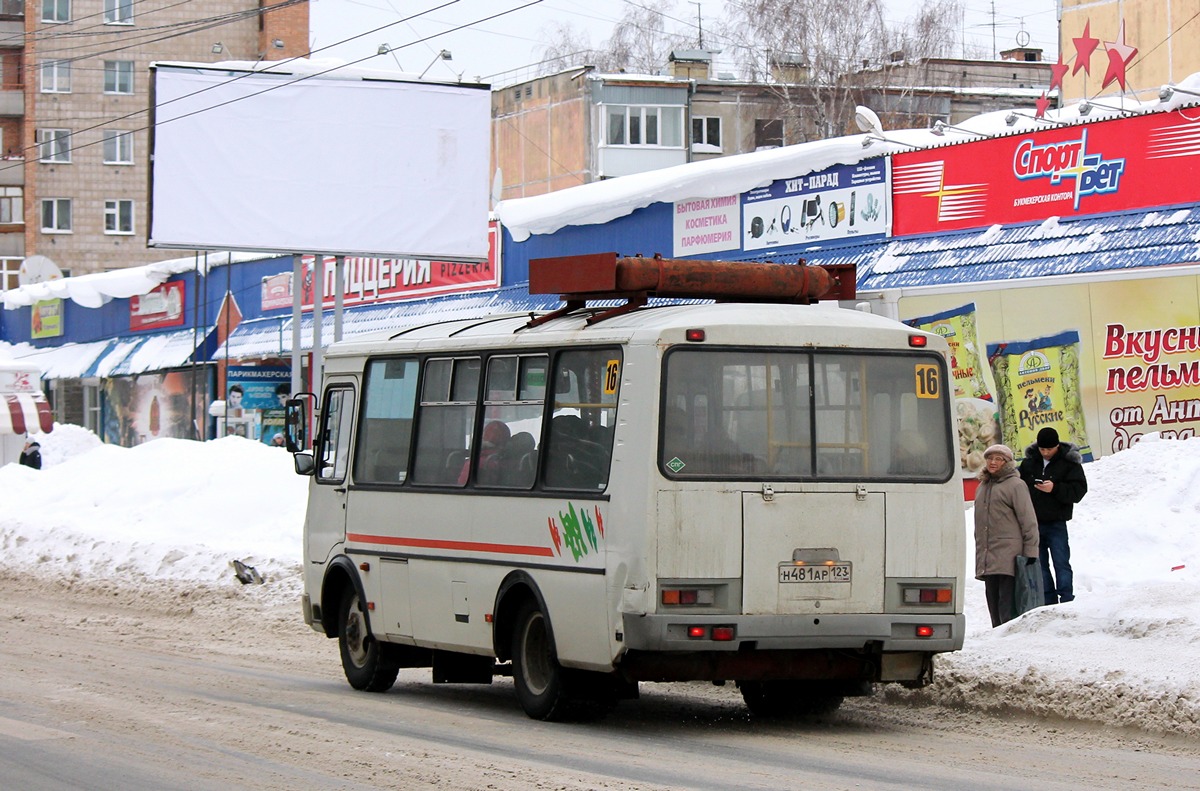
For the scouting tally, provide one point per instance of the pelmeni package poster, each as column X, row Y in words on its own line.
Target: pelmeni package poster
column 977, row 422
column 1038, row 385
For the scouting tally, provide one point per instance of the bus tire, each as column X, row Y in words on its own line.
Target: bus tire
column 541, row 683
column 790, row 698
column 363, row 658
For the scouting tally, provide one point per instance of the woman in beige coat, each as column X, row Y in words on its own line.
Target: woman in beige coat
column 1005, row 527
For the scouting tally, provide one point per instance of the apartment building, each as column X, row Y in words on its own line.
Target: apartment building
column 579, row 126
column 74, row 120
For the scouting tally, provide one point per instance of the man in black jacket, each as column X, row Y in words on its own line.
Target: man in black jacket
column 1053, row 471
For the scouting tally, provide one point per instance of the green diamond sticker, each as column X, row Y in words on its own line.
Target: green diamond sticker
column 675, row 464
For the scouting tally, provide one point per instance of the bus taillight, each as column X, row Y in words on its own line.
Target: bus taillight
column 924, row 631
column 687, row 596
column 928, row 595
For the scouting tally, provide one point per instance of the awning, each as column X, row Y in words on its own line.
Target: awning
column 69, row 361
column 272, row 337
column 131, row 356
column 125, row 356
column 25, row 413
column 1055, row 247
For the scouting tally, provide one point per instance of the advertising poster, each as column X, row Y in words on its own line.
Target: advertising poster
column 46, row 319
column 978, row 422
column 254, row 400
column 1107, row 166
column 706, row 225
column 841, row 202
column 1038, row 384
column 161, row 307
column 152, row 406
column 1147, row 362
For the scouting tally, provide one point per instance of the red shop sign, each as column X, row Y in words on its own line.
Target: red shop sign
column 1071, row 171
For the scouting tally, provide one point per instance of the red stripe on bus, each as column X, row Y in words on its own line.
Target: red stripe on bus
column 432, row 543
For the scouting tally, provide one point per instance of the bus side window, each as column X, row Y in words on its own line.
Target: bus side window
column 385, row 431
column 579, row 447
column 446, row 420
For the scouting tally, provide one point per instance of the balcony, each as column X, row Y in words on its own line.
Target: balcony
column 12, row 103
column 13, row 10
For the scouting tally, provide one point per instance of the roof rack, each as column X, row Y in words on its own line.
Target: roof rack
column 578, row 278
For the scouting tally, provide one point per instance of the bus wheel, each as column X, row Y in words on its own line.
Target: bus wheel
column 789, row 698
column 363, row 658
column 539, row 679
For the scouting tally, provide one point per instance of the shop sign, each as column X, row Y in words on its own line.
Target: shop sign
column 1070, row 171
column 367, row 281
column 46, row 319
column 277, row 291
column 840, row 202
column 13, row 382
column 161, row 307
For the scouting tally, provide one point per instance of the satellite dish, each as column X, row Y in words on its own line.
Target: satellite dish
column 867, row 120
column 37, row 269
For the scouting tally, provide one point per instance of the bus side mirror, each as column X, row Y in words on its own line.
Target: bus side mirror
column 297, row 421
column 305, row 464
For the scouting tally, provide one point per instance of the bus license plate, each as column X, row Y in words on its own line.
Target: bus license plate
column 836, row 572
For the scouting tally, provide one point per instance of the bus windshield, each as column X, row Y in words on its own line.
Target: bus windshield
column 791, row 414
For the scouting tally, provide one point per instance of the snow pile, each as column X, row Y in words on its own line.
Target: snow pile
column 1127, row 651
column 169, row 508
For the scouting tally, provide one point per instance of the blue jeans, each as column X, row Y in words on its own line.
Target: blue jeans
column 1053, row 547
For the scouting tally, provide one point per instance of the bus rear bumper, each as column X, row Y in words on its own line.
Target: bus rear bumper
column 892, row 632
column 852, row 648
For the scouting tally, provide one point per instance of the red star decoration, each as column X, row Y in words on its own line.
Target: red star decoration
column 1119, row 55
column 1043, row 104
column 1057, row 72
column 1085, row 45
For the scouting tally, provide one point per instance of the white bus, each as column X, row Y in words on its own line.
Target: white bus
column 759, row 493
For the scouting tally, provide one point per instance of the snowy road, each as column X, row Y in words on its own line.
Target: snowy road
column 184, row 686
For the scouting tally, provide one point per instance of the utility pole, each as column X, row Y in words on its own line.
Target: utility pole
column 699, row 23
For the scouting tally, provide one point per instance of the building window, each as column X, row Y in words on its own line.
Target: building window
column 644, row 126
column 9, row 268
column 56, row 10
column 56, row 76
column 768, row 133
column 56, row 215
column 118, row 216
column 118, row 12
column 12, row 205
column 54, row 145
column 706, row 131
column 118, row 147
column 118, row 76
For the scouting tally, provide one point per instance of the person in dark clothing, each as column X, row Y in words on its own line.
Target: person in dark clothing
column 1053, row 471
column 31, row 455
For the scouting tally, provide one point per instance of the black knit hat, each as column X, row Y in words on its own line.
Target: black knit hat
column 1047, row 438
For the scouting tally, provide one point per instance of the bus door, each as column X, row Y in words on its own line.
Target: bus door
column 326, row 519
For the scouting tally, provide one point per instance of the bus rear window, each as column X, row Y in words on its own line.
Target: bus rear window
column 793, row 414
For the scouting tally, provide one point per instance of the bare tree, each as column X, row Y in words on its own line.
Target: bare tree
column 640, row 42
column 834, row 50
column 565, row 48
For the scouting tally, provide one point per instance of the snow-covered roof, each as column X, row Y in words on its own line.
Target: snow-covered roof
column 94, row 290
column 1054, row 247
column 602, row 201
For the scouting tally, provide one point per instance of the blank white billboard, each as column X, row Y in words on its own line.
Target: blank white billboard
column 270, row 162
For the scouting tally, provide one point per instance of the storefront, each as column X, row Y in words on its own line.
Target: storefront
column 1058, row 257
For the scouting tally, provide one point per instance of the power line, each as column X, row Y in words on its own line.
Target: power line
column 276, row 64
